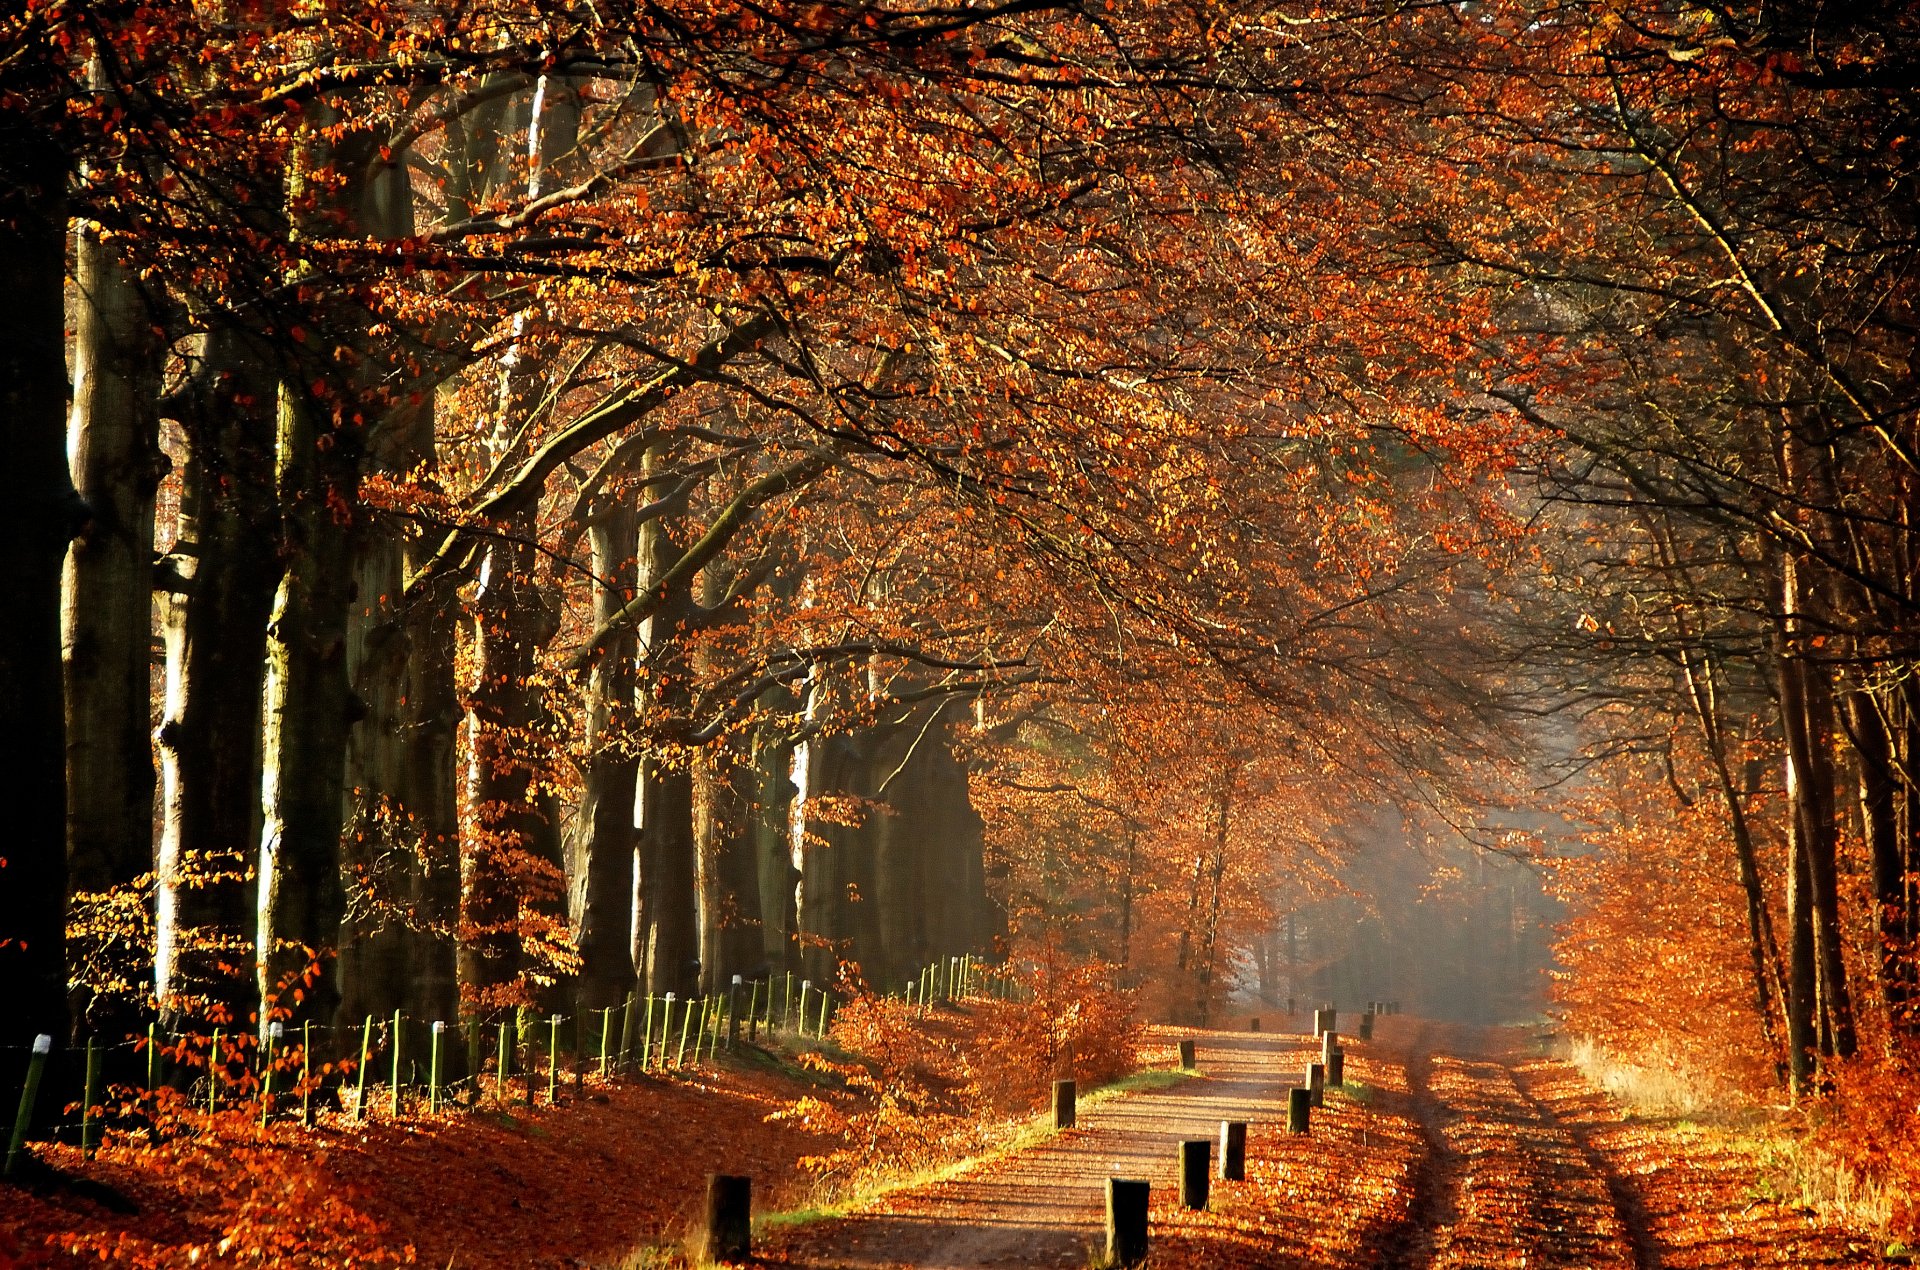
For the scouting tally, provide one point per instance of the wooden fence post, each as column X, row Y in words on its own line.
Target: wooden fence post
column 89, row 1094
column 393, row 1097
column 306, row 1073
column 1126, row 1221
column 366, row 1051
column 1366, row 1027
column 733, row 1013
column 1233, row 1150
column 1337, row 1068
column 1186, row 1054
column 1194, row 1155
column 1065, row 1098
column 433, row 1068
column 729, row 1217
column 29, row 1094
column 1317, row 1083
column 1329, row 1042
column 1325, row 1019
column 1299, row 1101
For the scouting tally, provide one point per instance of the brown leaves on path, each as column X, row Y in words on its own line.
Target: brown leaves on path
column 1322, row 1200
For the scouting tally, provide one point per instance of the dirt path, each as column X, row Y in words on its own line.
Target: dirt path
column 1505, row 1182
column 1043, row 1206
column 1454, row 1148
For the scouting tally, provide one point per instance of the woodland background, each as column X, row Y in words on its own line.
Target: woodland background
column 515, row 505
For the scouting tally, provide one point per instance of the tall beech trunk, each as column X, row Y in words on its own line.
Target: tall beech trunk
column 1216, row 882
column 666, row 905
column 513, row 859
column 401, row 847
column 215, row 627
column 39, row 514
column 1879, row 788
column 667, row 937
column 601, row 869
column 724, row 786
column 1897, row 889
column 826, row 852
column 730, row 938
column 772, row 832
column 514, row 863
column 301, row 900
column 107, row 599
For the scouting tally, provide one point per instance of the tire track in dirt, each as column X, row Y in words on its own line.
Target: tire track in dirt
column 1505, row 1182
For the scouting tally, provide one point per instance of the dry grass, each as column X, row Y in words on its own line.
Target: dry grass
column 1657, row 1084
column 1788, row 1169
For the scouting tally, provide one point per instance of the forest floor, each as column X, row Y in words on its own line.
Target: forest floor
column 1449, row 1147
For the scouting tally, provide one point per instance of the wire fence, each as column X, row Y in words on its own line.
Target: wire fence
column 400, row 1067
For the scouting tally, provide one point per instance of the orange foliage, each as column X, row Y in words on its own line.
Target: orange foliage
column 1655, row 941
column 1073, row 1023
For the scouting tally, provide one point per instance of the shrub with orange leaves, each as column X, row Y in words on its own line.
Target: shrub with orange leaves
column 898, row 1107
column 1073, row 1023
column 1873, row 1126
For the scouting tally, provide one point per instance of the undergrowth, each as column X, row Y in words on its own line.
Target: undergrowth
column 1860, row 1171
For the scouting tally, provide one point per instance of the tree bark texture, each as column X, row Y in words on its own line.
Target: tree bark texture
column 601, row 864
column 215, row 627
column 39, row 514
column 107, row 598
column 301, row 899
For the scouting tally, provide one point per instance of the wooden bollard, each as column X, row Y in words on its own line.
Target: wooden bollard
column 1325, row 1019
column 1186, row 1054
column 1329, row 1042
column 1194, row 1158
column 1253, row 1025
column 1299, row 1102
column 1233, row 1150
column 729, row 1217
column 1337, row 1068
column 1366, row 1027
column 1126, row 1221
column 1317, row 1083
column 1065, row 1095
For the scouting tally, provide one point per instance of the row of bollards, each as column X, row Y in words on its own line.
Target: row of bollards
column 729, row 1228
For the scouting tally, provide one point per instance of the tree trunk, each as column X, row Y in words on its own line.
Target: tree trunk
column 667, row 941
column 513, row 863
column 215, row 629
column 1209, row 950
column 39, row 513
column 602, row 867
column 304, row 747
column 1762, row 951
column 1879, row 783
column 772, row 831
column 730, row 935
column 107, row 600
